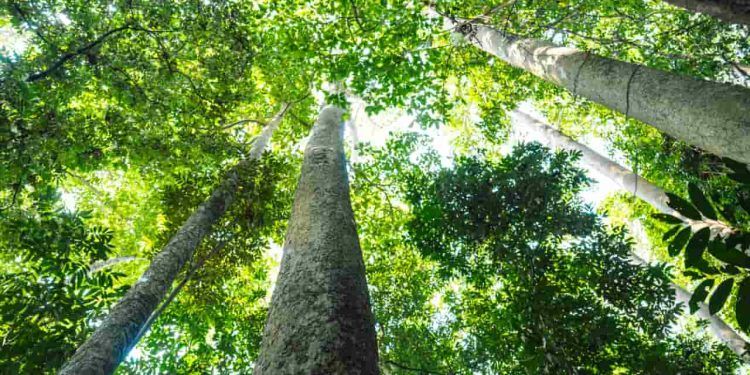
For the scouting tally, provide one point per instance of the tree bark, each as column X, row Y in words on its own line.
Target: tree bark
column 713, row 116
column 319, row 320
column 645, row 190
column 117, row 334
column 731, row 11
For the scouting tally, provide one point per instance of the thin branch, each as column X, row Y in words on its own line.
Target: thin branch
column 71, row 55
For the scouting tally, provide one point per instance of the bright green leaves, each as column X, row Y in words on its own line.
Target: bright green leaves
column 720, row 295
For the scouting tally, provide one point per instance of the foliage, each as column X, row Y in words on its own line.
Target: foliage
column 133, row 110
column 49, row 296
column 697, row 231
column 535, row 275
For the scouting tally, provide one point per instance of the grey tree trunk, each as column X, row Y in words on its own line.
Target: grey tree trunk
column 113, row 339
column 713, row 116
column 731, row 11
column 320, row 320
column 645, row 190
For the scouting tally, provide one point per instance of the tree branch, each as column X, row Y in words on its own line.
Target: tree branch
column 78, row 52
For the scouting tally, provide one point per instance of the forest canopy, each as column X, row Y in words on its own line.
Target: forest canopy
column 363, row 187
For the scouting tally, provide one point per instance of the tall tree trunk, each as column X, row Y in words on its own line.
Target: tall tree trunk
column 731, row 11
column 713, row 116
column 645, row 190
column 113, row 339
column 319, row 320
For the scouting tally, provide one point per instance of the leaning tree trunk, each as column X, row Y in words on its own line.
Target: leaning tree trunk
column 713, row 116
column 641, row 188
column 732, row 11
column 627, row 180
column 319, row 320
column 116, row 335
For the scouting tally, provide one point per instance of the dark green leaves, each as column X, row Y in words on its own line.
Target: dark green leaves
column 700, row 201
column 699, row 294
column 669, row 219
column 679, row 242
column 742, row 305
column 719, row 250
column 719, row 297
column 695, row 248
column 683, row 207
column 670, row 233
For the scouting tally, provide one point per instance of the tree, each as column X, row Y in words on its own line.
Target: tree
column 510, row 221
column 114, row 338
column 715, row 121
column 733, row 11
column 650, row 193
column 320, row 319
column 48, row 293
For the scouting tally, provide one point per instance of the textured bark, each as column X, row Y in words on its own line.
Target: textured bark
column 731, row 11
column 644, row 190
column 117, row 334
column 713, row 116
column 716, row 326
column 319, row 320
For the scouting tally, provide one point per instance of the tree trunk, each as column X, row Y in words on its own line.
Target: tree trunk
column 645, row 190
column 319, row 320
column 113, row 339
column 623, row 177
column 627, row 180
column 731, row 11
column 713, row 116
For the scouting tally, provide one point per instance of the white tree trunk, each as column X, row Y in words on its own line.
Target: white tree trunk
column 645, row 190
column 713, row 116
column 320, row 320
column 113, row 339
column 732, row 11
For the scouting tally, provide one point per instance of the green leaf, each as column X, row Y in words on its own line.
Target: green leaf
column 679, row 241
column 700, row 201
column 742, row 305
column 719, row 250
column 695, row 248
column 669, row 219
column 719, row 297
column 670, row 233
column 683, row 207
column 699, row 294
